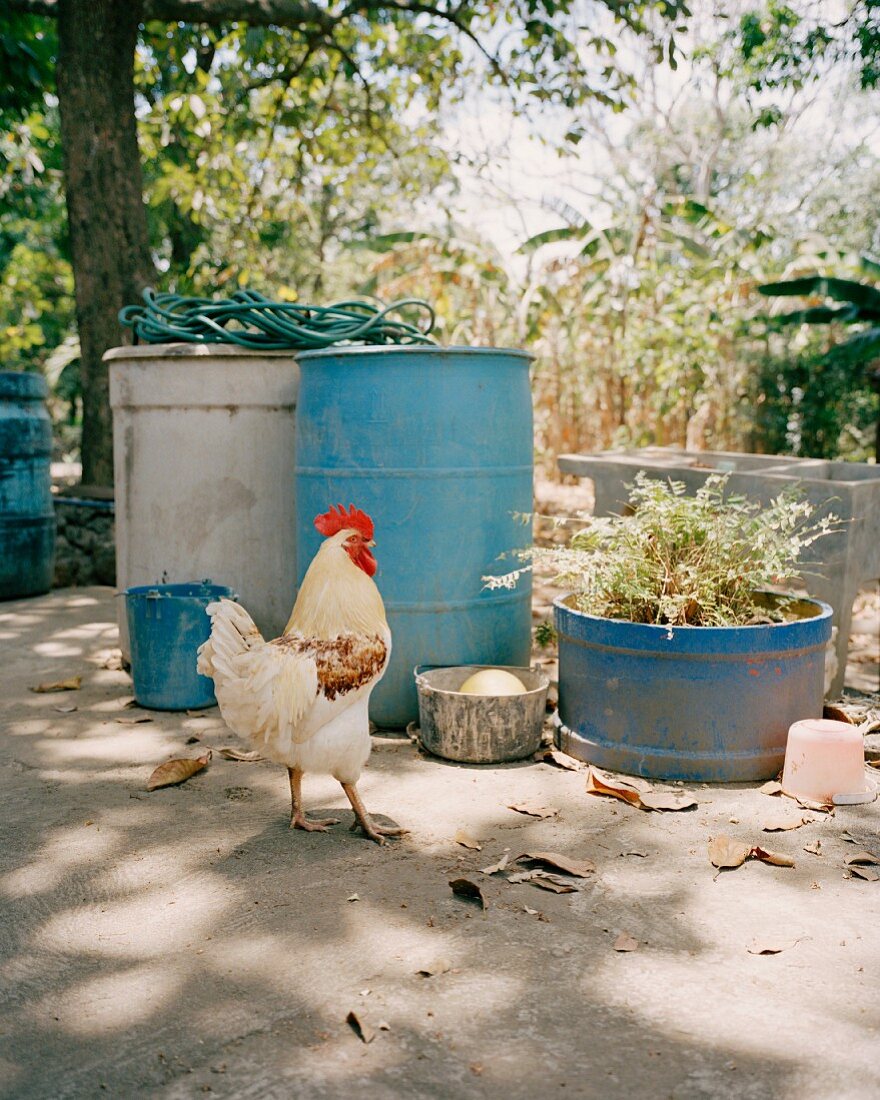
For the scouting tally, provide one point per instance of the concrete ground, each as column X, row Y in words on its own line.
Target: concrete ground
column 185, row 943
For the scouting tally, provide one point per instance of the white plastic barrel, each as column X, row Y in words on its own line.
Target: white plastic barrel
column 203, row 457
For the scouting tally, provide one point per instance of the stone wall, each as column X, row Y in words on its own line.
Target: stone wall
column 85, row 549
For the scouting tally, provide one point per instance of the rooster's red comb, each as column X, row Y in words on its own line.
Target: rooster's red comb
column 337, row 519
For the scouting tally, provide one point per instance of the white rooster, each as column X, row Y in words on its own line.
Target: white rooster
column 302, row 698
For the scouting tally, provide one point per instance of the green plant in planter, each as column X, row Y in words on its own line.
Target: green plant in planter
column 682, row 560
column 674, row 663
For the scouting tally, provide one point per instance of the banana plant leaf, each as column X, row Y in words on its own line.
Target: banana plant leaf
column 858, row 349
column 870, row 263
column 817, row 315
column 866, row 297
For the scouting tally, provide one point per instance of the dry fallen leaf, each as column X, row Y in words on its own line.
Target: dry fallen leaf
column 468, row 891
column 726, row 853
column 771, row 787
column 67, row 708
column 530, row 911
column 815, row 848
column 353, row 897
column 776, row 858
column 835, row 714
column 550, row 882
column 634, row 852
column 521, row 876
column 545, row 881
column 770, row 947
column 496, row 867
column 625, row 942
column 177, row 771
column 71, row 684
column 464, row 838
column 668, row 800
column 816, row 807
column 863, row 857
column 602, row 784
column 784, row 824
column 867, row 873
column 363, row 1030
column 134, row 721
column 637, row 792
column 560, row 759
column 242, row 757
column 580, row 868
column 532, row 809
column 438, row 966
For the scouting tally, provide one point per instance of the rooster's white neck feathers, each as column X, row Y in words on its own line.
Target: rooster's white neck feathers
column 336, row 596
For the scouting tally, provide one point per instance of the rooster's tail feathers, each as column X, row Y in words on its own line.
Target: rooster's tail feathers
column 233, row 632
column 263, row 691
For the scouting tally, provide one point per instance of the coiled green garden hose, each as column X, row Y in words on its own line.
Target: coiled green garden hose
column 251, row 320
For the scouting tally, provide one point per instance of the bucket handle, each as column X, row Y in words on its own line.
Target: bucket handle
column 155, row 595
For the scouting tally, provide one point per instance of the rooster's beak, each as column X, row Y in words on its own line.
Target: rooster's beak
column 371, row 542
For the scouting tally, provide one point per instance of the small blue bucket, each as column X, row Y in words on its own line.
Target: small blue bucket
column 167, row 624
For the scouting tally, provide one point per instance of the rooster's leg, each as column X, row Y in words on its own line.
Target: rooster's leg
column 298, row 819
column 362, row 818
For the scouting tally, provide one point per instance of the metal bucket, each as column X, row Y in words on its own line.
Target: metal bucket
column 480, row 729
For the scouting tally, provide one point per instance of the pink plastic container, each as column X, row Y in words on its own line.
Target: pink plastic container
column 825, row 762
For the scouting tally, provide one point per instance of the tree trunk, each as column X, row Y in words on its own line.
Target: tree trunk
column 105, row 208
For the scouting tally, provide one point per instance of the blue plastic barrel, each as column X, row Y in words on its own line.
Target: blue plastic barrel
column 436, row 445
column 27, row 518
column 167, row 624
column 711, row 704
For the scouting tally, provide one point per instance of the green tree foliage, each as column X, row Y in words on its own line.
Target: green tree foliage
column 830, row 389
column 271, row 143
column 788, row 45
column 36, row 292
column 261, row 162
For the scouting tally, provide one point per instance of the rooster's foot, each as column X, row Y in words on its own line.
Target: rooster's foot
column 300, row 821
column 377, row 832
column 363, row 820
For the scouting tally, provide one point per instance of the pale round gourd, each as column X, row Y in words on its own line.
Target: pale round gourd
column 492, row 681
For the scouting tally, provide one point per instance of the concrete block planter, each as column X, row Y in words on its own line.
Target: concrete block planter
column 841, row 563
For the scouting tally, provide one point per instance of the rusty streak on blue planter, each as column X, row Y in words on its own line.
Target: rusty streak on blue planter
column 709, row 704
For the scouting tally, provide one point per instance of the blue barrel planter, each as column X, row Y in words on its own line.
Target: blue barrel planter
column 27, row 518
column 436, row 445
column 706, row 704
column 167, row 624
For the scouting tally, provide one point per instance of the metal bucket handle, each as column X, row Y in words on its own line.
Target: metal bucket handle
column 154, row 607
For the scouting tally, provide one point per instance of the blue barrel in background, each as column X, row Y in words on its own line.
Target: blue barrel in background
column 27, row 517
column 435, row 444
column 166, row 624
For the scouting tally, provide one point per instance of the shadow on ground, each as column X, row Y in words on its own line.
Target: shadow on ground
column 185, row 942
